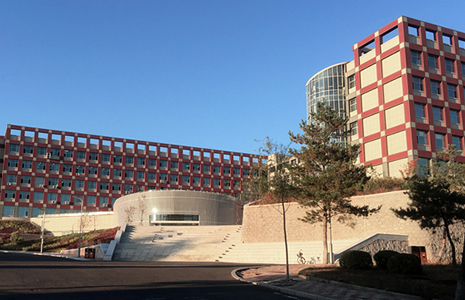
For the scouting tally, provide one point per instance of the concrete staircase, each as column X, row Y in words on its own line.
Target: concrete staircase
column 210, row 243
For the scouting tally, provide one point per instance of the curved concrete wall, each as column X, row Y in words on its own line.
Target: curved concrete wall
column 213, row 209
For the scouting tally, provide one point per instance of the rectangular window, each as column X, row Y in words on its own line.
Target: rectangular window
column 351, row 81
column 237, row 171
column 128, row 174
column 53, row 182
column 128, row 188
column 415, row 58
column 41, row 151
column 174, row 165
column 196, row 180
column 67, row 168
column 39, row 182
column 80, row 170
column 54, row 167
column 185, row 167
column 227, row 171
column 79, row 184
column 454, row 116
column 38, row 197
column 116, row 187
column 173, row 179
column 417, row 84
column 163, row 163
column 54, row 152
column 52, row 197
column 216, row 169
column 452, row 91
column 104, row 186
column 66, row 183
column 25, row 179
column 433, row 62
column 140, row 161
column 185, row 180
column 117, row 159
column 14, row 148
column 440, row 141
column 216, row 182
column 435, row 87
column 449, row 63
column 422, row 137
column 23, row 195
column 93, row 156
column 463, row 72
column 93, row 171
column 81, row 155
column 140, row 176
column 27, row 165
column 11, row 179
column 437, row 114
column 105, row 158
column 116, row 173
column 40, row 166
column 90, row 201
column 206, row 181
column 353, row 105
column 30, row 149
column 152, row 162
column 129, row 160
column 457, row 141
column 9, row 194
column 92, row 185
column 152, row 176
column 196, row 167
column 12, row 163
column 206, row 169
column 105, row 172
column 227, row 183
column 420, row 110
column 354, row 128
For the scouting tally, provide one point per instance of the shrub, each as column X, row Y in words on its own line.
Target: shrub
column 405, row 264
column 16, row 237
column 382, row 257
column 356, row 260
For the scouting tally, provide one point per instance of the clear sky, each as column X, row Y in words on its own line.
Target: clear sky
column 206, row 73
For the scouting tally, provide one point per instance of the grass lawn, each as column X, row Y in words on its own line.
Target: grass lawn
column 436, row 282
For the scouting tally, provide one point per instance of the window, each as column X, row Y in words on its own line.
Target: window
column 41, row 151
column 174, row 165
column 354, row 128
column 351, row 81
column 435, row 87
column 93, row 171
column 27, row 164
column 173, row 179
column 430, row 35
column 452, row 91
column 12, row 163
column 140, row 176
column 216, row 182
column 54, row 152
column 196, row 180
column 67, row 168
column 152, row 176
column 128, row 174
column 163, row 163
column 440, row 140
column 25, row 179
column 66, row 183
column 449, row 63
column 128, row 188
column 420, row 110
column 52, row 197
column 30, row 149
column 206, row 169
column 140, row 161
column 227, row 183
column 53, row 182
column 185, row 167
column 104, row 186
column 116, row 187
column 116, row 173
column 54, row 167
column 79, row 184
column 68, row 153
column 216, row 169
column 196, row 167
column 437, row 114
column 415, row 57
column 23, row 195
column 14, row 148
column 80, row 170
column 81, row 155
column 22, row 211
column 105, row 158
column 463, row 72
column 11, row 179
column 152, row 162
column 93, row 156
column 422, row 138
column 433, row 62
column 237, row 171
column 38, row 197
column 103, row 201
column 457, row 141
column 40, row 166
column 412, row 30
column 454, row 116
column 92, row 185
column 353, row 105
column 8, row 210
column 163, row 178
column 105, row 172
column 185, row 180
column 417, row 84
column 39, row 182
column 90, row 201
column 129, row 160
column 206, row 181
column 117, row 159
column 9, row 194
column 226, row 171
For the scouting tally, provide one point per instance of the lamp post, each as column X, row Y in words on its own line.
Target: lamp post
column 42, row 232
column 80, row 226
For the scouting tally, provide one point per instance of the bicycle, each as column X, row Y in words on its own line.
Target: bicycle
column 302, row 261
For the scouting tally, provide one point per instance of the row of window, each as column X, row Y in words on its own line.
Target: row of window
column 434, row 62
column 94, row 156
column 23, row 211
column 438, row 115
column 64, row 183
column 55, row 198
column 435, row 88
column 439, row 139
column 82, row 170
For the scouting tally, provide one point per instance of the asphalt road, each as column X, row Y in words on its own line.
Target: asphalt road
column 25, row 276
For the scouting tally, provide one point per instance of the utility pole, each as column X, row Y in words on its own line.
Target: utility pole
column 42, row 232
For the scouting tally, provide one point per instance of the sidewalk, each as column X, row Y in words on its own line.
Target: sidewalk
column 272, row 277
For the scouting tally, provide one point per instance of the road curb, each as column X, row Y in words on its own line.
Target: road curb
column 46, row 254
column 276, row 288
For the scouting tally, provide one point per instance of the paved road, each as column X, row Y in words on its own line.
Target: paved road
column 38, row 277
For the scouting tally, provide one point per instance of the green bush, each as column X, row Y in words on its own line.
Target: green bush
column 405, row 264
column 356, row 260
column 16, row 237
column 382, row 257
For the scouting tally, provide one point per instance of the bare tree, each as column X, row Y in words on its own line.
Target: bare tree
column 142, row 204
column 129, row 212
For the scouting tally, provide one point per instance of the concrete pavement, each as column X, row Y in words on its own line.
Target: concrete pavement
column 273, row 277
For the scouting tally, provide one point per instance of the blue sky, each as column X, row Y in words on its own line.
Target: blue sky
column 207, row 73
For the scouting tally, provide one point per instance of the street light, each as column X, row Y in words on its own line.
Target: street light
column 80, row 226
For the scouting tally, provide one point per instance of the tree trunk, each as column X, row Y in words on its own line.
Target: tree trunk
column 441, row 252
column 452, row 246
column 460, row 290
column 285, row 237
column 325, row 239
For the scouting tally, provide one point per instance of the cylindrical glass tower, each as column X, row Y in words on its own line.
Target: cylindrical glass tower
column 327, row 85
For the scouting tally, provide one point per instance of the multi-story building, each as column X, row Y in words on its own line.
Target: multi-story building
column 56, row 170
column 404, row 92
